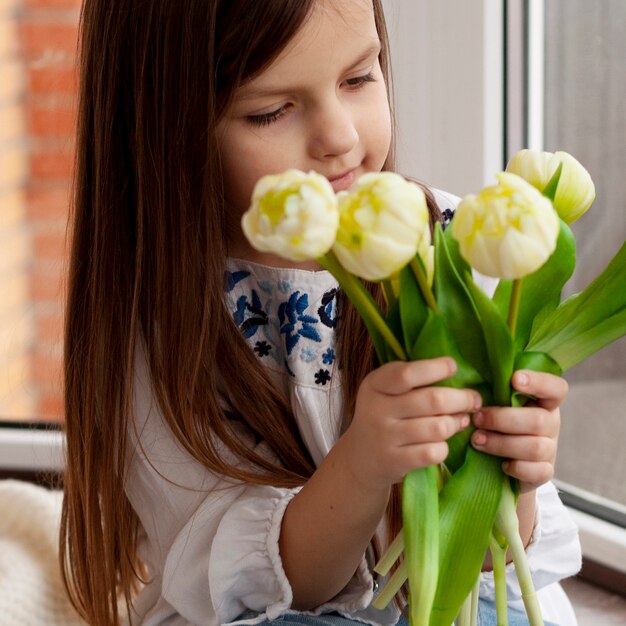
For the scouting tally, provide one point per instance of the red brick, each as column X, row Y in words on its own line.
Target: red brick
column 46, row 366
column 48, row 36
column 51, row 407
column 49, row 165
column 48, row 203
column 49, row 245
column 51, row 121
column 50, row 327
column 52, row 4
column 47, row 287
column 52, row 78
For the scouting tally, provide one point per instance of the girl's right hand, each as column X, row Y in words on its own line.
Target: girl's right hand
column 402, row 423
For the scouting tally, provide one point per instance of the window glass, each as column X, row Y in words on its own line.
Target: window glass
column 585, row 114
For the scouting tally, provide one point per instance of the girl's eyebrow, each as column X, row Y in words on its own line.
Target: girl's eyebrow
column 248, row 94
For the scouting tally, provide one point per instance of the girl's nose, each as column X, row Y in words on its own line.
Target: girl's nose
column 333, row 132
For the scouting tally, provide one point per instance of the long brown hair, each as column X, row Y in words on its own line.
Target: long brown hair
column 147, row 263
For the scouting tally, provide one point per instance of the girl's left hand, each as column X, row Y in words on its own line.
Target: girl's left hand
column 526, row 436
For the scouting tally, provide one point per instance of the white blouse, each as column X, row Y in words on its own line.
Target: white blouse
column 212, row 545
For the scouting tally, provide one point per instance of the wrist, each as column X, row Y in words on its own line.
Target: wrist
column 356, row 467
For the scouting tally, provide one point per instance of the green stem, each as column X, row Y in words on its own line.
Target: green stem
column 392, row 554
column 475, row 597
column 394, row 584
column 516, row 296
column 362, row 300
column 498, row 559
column 422, row 281
column 507, row 523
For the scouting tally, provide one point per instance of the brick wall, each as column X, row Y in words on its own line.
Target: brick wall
column 37, row 114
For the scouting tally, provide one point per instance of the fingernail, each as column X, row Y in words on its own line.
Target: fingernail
column 479, row 438
column 465, row 420
column 479, row 418
column 522, row 379
column 452, row 366
column 478, row 401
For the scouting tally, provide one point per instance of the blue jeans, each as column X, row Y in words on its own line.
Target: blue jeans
column 486, row 617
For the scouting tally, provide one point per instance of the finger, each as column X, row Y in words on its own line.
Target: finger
column 429, row 429
column 549, row 390
column 532, row 420
column 522, row 447
column 429, row 401
column 534, row 474
column 423, row 454
column 398, row 377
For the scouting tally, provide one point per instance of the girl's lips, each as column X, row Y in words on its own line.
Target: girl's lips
column 343, row 182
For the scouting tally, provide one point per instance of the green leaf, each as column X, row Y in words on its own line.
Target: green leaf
column 541, row 290
column 467, row 508
column 455, row 301
column 420, row 519
column 577, row 348
column 436, row 340
column 587, row 321
column 499, row 344
column 413, row 309
column 537, row 362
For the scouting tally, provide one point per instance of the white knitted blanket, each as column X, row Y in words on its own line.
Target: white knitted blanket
column 31, row 591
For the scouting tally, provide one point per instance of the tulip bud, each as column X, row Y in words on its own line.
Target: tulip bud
column 293, row 215
column 574, row 192
column 383, row 223
column 508, row 230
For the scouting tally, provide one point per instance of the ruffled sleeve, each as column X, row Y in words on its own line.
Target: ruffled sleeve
column 245, row 569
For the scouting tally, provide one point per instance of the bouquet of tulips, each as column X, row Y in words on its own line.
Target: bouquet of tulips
column 517, row 231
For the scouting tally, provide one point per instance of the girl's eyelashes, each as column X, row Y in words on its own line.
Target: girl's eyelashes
column 360, row 81
column 264, row 119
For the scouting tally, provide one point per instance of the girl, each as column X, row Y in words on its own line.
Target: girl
column 233, row 450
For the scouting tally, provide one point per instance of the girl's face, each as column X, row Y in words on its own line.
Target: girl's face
column 321, row 105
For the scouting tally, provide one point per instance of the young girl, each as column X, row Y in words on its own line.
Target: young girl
column 234, row 452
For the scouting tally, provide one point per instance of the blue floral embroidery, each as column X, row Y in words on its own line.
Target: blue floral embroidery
column 328, row 310
column 232, row 278
column 249, row 316
column 328, row 357
column 322, row 377
column 284, row 286
column 291, row 313
column 308, row 354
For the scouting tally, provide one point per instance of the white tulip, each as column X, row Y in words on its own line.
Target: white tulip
column 383, row 223
column 293, row 215
column 575, row 191
column 508, row 230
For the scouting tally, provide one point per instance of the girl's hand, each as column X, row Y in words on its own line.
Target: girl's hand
column 402, row 423
column 527, row 436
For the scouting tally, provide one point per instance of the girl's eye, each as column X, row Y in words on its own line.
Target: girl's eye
column 360, row 81
column 265, row 119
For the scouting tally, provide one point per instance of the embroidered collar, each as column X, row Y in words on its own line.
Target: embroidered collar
column 287, row 316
